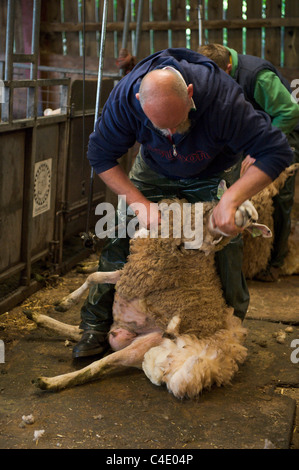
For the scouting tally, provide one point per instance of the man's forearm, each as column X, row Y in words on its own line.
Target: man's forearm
column 117, row 180
column 251, row 182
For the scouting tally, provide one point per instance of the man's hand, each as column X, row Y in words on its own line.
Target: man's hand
column 251, row 182
column 223, row 217
column 147, row 213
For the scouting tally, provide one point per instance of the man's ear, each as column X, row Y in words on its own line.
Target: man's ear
column 229, row 69
column 137, row 96
column 190, row 90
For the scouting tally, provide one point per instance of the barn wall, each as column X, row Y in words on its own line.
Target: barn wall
column 70, row 33
column 259, row 27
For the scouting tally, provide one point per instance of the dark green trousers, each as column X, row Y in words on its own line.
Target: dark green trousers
column 283, row 204
column 97, row 310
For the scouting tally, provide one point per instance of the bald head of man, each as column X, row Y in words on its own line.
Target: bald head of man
column 166, row 100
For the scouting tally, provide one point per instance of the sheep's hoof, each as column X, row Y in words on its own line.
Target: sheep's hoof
column 30, row 314
column 60, row 307
column 42, row 383
column 64, row 304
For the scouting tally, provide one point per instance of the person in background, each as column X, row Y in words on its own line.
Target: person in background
column 267, row 90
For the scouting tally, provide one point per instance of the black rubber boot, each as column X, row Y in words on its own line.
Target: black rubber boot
column 92, row 343
column 270, row 274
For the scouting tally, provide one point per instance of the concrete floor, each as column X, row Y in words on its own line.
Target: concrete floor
column 125, row 411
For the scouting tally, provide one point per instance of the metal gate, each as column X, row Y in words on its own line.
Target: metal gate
column 44, row 173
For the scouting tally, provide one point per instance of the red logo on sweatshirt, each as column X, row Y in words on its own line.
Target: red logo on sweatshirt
column 197, row 156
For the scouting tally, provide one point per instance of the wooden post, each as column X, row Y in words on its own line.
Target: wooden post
column 72, row 39
column 144, row 45
column 215, row 12
column 234, row 36
column 90, row 36
column 161, row 37
column 254, row 35
column 273, row 35
column 291, row 42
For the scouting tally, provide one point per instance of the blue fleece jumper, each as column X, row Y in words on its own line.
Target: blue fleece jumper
column 223, row 125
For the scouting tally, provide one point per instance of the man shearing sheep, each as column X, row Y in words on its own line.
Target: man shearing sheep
column 193, row 124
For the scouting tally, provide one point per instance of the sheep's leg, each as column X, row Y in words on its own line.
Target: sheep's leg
column 62, row 329
column 131, row 356
column 88, row 267
column 94, row 278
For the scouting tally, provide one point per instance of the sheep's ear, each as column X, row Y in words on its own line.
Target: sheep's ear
column 221, row 189
column 258, row 230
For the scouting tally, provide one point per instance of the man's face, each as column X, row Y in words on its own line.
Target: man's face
column 182, row 128
column 172, row 118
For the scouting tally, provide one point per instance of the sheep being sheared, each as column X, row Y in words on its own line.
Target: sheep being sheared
column 170, row 316
column 291, row 262
column 257, row 252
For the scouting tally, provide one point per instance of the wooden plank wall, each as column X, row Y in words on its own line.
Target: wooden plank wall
column 274, row 34
column 292, row 36
column 164, row 25
column 271, row 29
column 254, row 35
column 264, row 28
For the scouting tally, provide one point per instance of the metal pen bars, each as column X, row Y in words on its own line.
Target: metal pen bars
column 33, row 84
